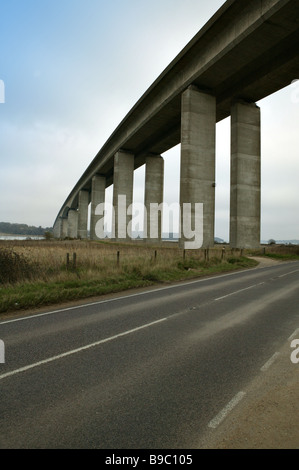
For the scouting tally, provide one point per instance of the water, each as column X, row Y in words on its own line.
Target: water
column 16, row 237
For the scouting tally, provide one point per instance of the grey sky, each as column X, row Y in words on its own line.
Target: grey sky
column 72, row 70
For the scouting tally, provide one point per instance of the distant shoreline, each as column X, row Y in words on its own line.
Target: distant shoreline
column 6, row 236
column 12, row 236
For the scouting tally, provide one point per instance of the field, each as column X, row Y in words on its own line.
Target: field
column 39, row 273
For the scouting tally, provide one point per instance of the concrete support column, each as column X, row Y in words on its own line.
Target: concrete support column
column 83, row 214
column 122, row 194
column 57, row 229
column 72, row 223
column 97, row 197
column 245, row 204
column 61, row 228
column 198, row 150
column 154, row 186
column 64, row 227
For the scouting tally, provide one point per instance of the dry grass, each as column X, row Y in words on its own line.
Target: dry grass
column 51, row 276
column 283, row 252
column 50, row 257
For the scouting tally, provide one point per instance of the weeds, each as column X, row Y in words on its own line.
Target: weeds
column 15, row 267
column 34, row 274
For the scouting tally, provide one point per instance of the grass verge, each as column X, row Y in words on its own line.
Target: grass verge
column 282, row 256
column 49, row 282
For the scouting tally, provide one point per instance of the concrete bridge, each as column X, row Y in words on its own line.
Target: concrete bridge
column 247, row 51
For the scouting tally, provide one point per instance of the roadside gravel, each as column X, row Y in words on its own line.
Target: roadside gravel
column 268, row 415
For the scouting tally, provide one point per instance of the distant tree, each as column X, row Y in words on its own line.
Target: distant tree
column 22, row 229
column 49, row 235
column 271, row 242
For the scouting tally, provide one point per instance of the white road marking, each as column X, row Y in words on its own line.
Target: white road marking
column 287, row 274
column 293, row 335
column 238, row 291
column 270, row 362
column 78, row 350
column 223, row 413
column 160, row 289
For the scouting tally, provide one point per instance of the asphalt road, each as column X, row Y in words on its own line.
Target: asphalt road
column 149, row 370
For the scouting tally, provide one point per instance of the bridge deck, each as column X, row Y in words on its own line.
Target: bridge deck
column 246, row 51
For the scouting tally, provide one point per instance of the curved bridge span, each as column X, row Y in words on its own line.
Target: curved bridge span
column 246, row 52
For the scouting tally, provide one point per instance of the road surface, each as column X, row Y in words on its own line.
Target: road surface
column 158, row 369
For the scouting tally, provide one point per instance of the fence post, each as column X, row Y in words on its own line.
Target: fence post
column 67, row 261
column 74, row 261
column 118, row 258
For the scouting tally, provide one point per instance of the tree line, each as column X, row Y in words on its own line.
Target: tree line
column 22, row 229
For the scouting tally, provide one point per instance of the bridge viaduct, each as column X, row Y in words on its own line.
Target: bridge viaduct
column 247, row 51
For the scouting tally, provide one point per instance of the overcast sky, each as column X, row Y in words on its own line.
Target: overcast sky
column 72, row 69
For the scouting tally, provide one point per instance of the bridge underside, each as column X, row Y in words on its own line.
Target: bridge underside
column 242, row 55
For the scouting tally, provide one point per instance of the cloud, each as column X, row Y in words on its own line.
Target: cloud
column 38, row 169
column 74, row 69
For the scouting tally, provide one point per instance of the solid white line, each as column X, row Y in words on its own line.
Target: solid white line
column 238, row 291
column 293, row 335
column 78, row 350
column 270, row 362
column 229, row 407
column 160, row 289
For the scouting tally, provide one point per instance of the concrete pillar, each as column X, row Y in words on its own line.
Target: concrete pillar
column 97, row 197
column 198, row 150
column 57, row 229
column 72, row 223
column 83, row 214
column 64, row 227
column 245, row 204
column 122, row 194
column 154, row 186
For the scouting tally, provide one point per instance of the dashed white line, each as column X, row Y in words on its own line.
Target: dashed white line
column 226, row 410
column 78, row 350
column 159, row 289
column 270, row 362
column 124, row 297
column 238, row 291
column 293, row 335
column 115, row 299
column 287, row 274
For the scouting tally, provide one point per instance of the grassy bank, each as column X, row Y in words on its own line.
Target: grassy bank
column 40, row 273
column 278, row 252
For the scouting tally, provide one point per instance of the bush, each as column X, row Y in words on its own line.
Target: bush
column 49, row 235
column 189, row 264
column 14, row 267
